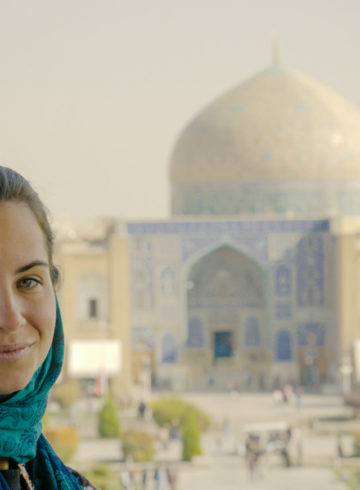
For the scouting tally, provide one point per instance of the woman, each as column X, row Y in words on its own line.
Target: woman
column 31, row 341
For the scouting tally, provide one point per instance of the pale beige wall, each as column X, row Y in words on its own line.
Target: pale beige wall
column 119, row 282
column 73, row 266
column 111, row 263
column 348, row 292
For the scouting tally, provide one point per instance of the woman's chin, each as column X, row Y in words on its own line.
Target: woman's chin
column 13, row 387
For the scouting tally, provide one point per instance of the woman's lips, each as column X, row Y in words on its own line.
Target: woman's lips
column 13, row 352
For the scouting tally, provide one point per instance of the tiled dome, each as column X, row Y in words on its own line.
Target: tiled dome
column 278, row 126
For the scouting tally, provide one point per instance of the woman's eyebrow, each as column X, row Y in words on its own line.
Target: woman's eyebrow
column 35, row 263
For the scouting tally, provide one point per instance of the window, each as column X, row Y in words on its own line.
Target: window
column 283, row 346
column 92, row 298
column 93, row 308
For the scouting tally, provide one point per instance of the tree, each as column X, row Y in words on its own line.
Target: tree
column 191, row 438
column 108, row 421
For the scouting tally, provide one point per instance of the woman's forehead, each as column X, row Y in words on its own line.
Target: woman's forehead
column 20, row 231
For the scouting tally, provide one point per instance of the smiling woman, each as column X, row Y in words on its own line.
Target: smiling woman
column 31, row 341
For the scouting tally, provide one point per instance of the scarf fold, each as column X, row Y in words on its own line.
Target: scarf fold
column 20, row 420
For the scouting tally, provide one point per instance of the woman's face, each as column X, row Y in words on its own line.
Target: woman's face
column 27, row 298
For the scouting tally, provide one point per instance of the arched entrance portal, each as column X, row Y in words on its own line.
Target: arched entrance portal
column 225, row 312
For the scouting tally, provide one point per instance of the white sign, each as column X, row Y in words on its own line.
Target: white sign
column 91, row 358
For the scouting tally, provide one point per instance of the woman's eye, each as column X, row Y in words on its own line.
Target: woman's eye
column 27, row 283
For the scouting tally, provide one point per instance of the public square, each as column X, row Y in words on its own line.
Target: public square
column 230, row 472
column 223, row 466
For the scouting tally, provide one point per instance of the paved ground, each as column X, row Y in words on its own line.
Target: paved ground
column 222, row 467
column 230, row 475
column 229, row 472
column 246, row 408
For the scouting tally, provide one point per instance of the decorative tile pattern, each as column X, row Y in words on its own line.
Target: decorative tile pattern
column 310, row 275
column 311, row 334
column 254, row 245
column 169, row 348
column 142, row 338
column 282, row 281
column 168, row 281
column 262, row 227
column 283, row 346
column 252, row 332
column 301, row 199
column 141, row 274
column 196, row 338
column 283, row 310
column 141, row 278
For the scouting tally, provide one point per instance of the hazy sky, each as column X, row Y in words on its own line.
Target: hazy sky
column 94, row 93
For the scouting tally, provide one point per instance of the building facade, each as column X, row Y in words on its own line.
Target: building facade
column 254, row 280
column 234, row 301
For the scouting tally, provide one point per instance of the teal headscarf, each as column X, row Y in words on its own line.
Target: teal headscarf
column 20, row 420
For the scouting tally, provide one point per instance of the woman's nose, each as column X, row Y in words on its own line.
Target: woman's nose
column 10, row 311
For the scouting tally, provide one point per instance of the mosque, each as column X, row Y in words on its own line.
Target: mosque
column 254, row 280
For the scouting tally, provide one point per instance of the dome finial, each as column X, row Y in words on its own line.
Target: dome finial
column 275, row 50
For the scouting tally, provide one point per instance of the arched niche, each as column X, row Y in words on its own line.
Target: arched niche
column 283, row 345
column 169, row 348
column 224, row 288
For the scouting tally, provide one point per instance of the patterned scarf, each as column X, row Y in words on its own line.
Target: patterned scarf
column 20, row 421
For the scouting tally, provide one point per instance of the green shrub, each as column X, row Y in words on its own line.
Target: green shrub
column 356, row 436
column 102, row 476
column 64, row 440
column 138, row 445
column 168, row 410
column 66, row 393
column 191, row 439
column 108, row 420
